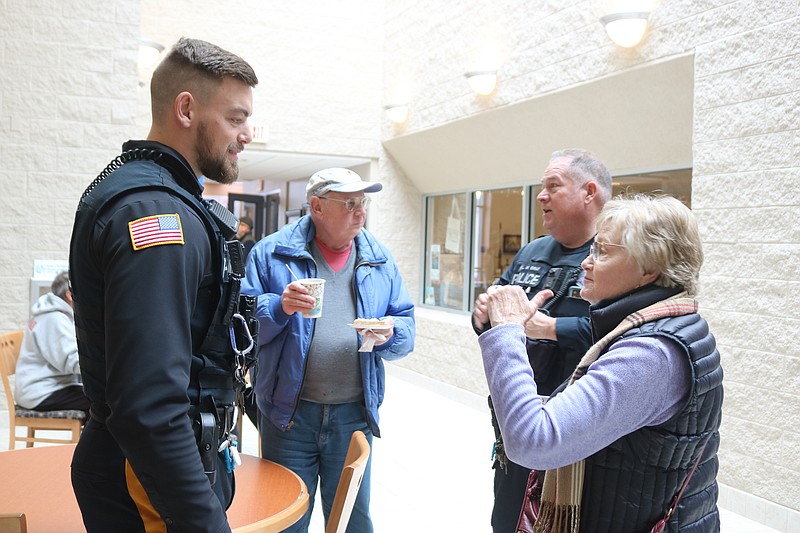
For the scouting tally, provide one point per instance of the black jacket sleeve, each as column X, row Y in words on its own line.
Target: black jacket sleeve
column 150, row 295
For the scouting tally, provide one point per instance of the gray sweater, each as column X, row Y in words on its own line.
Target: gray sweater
column 48, row 357
column 333, row 372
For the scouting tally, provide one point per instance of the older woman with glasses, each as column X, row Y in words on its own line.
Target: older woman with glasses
column 636, row 427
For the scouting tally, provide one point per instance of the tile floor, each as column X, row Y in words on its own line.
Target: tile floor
column 432, row 467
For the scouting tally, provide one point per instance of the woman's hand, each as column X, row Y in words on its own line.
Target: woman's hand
column 541, row 326
column 508, row 304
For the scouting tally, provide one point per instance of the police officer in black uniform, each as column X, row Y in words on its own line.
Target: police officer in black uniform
column 575, row 186
column 155, row 286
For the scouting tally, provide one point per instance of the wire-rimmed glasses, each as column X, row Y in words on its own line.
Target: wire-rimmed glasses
column 351, row 203
column 598, row 247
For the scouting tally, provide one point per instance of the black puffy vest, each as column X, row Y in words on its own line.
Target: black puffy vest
column 629, row 485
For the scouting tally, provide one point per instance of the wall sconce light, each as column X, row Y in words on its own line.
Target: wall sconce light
column 397, row 113
column 482, row 81
column 626, row 29
column 148, row 57
column 149, row 52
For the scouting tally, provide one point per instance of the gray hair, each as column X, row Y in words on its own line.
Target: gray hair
column 60, row 285
column 584, row 167
column 660, row 234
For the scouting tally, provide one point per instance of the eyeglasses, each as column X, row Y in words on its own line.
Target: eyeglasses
column 597, row 248
column 351, row 203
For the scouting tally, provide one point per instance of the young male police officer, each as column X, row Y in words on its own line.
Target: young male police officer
column 575, row 186
column 152, row 308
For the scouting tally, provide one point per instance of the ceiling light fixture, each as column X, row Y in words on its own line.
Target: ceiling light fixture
column 626, row 29
column 482, row 81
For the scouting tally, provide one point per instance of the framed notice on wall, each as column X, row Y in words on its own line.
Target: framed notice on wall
column 511, row 243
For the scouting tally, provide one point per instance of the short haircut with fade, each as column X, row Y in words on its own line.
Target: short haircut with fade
column 197, row 67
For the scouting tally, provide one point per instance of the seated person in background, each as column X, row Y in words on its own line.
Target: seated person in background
column 643, row 406
column 48, row 377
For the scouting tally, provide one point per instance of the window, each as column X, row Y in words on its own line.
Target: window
column 474, row 236
column 445, row 251
column 677, row 183
column 497, row 235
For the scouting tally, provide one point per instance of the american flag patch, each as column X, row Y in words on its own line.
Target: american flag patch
column 156, row 230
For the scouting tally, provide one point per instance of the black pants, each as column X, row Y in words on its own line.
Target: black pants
column 509, row 492
column 98, row 479
column 64, row 399
column 101, row 488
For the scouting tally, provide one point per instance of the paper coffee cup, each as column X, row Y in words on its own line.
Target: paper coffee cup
column 317, row 287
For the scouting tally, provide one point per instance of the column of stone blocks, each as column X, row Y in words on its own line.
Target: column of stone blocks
column 67, row 102
column 745, row 194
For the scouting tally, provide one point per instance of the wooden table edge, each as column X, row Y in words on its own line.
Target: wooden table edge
column 285, row 518
column 282, row 520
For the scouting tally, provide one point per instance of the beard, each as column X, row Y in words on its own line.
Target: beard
column 216, row 167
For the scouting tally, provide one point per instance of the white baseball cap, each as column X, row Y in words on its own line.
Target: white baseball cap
column 338, row 180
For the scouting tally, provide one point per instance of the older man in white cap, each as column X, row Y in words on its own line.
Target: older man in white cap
column 318, row 379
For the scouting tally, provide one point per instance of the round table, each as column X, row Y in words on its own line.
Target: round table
column 36, row 481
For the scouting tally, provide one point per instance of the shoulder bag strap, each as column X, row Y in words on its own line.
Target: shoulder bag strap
column 660, row 525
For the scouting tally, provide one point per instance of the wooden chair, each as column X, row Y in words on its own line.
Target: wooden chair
column 13, row 523
column 349, row 483
column 67, row 420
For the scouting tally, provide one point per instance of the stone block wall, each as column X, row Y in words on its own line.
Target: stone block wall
column 67, row 99
column 747, row 141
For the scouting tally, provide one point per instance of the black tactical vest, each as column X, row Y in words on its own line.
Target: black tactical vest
column 213, row 370
column 545, row 264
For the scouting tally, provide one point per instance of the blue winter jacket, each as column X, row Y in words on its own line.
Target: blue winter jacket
column 283, row 340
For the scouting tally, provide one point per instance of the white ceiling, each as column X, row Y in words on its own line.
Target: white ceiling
column 258, row 163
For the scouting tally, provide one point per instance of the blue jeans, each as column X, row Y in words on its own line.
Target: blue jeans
column 315, row 448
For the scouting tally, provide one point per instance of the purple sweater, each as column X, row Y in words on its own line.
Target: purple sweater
column 643, row 381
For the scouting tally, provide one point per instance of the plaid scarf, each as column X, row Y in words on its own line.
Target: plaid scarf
column 562, row 491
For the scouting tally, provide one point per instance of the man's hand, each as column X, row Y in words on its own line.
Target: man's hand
column 480, row 314
column 372, row 337
column 296, row 298
column 379, row 334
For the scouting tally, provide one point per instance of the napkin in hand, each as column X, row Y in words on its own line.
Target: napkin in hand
column 371, row 338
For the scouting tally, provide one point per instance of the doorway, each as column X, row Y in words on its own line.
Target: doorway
column 261, row 209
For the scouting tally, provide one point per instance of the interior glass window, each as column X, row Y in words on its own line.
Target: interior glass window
column 445, row 250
